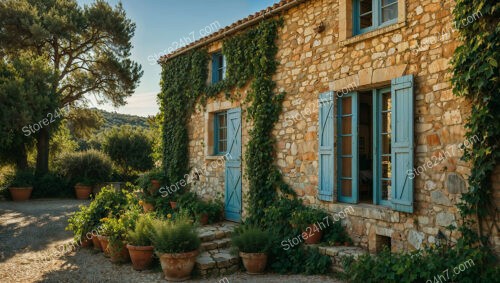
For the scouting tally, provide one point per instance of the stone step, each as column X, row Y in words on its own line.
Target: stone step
column 216, row 262
column 336, row 253
column 216, row 244
column 216, row 231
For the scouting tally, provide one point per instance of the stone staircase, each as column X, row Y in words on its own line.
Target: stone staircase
column 215, row 256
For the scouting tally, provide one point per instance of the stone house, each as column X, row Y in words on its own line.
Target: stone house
column 369, row 119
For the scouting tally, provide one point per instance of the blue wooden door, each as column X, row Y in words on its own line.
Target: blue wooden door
column 233, row 202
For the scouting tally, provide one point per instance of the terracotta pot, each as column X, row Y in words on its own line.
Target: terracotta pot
column 346, row 244
column 178, row 267
column 203, row 219
column 119, row 254
column 148, row 207
column 313, row 235
column 20, row 193
column 104, row 245
column 85, row 242
column 141, row 256
column 83, row 192
column 96, row 243
column 173, row 204
column 336, row 244
column 155, row 184
column 255, row 263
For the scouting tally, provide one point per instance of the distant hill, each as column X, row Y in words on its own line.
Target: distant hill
column 113, row 119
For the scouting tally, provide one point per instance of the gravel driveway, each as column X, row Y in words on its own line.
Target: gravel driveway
column 33, row 230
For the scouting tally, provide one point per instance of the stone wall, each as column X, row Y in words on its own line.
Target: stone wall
column 313, row 62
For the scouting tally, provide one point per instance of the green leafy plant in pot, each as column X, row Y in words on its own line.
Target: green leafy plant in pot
column 252, row 243
column 115, row 231
column 207, row 211
column 21, row 185
column 308, row 221
column 176, row 242
column 139, row 243
column 81, row 225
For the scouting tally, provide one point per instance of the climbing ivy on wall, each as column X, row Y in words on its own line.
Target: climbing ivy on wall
column 183, row 80
column 475, row 77
column 250, row 58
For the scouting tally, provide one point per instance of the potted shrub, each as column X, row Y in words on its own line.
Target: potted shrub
column 108, row 202
column 80, row 224
column 21, row 185
column 151, row 181
column 139, row 244
column 173, row 204
column 85, row 168
column 207, row 211
column 252, row 244
column 96, row 243
column 338, row 236
column 83, row 189
column 307, row 220
column 176, row 242
column 147, row 203
column 115, row 232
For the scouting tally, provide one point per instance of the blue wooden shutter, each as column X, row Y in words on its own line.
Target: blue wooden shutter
column 402, row 143
column 215, row 67
column 326, row 142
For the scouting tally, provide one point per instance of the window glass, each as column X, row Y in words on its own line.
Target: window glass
column 221, row 133
column 385, row 151
column 389, row 10
column 365, row 13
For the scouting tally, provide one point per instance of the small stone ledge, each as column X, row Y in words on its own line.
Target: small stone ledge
column 336, row 254
column 365, row 210
column 371, row 34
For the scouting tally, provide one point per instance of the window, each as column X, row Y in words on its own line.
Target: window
column 218, row 67
column 364, row 147
column 372, row 158
column 220, row 135
column 372, row 14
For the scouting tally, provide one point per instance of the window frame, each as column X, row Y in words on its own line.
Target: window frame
column 377, row 146
column 376, row 17
column 219, row 66
column 217, row 127
column 354, row 148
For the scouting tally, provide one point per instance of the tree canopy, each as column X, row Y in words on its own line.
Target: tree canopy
column 86, row 48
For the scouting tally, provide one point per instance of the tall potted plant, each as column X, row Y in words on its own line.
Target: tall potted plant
column 139, row 243
column 21, row 185
column 83, row 189
column 252, row 244
column 308, row 221
column 85, row 169
column 115, row 232
column 80, row 224
column 176, row 243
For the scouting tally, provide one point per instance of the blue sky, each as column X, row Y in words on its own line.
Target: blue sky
column 164, row 24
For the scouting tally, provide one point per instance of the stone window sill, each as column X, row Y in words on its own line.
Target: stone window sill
column 367, row 210
column 371, row 34
column 214, row 157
